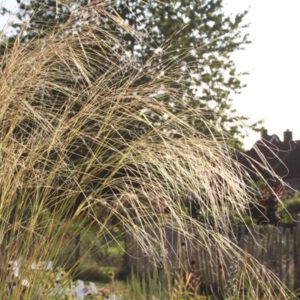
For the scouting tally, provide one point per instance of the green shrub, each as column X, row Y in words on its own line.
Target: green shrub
column 92, row 272
column 289, row 209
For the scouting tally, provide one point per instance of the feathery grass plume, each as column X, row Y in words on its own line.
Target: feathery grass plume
column 85, row 138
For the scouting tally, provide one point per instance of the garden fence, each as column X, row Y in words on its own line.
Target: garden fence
column 276, row 247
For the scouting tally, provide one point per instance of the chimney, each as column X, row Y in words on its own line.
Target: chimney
column 288, row 136
column 264, row 133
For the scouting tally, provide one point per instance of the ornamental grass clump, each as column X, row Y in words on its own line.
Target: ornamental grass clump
column 87, row 140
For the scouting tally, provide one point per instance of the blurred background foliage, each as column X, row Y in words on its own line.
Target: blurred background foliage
column 196, row 34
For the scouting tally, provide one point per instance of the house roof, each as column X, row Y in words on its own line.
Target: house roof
column 282, row 157
column 292, row 163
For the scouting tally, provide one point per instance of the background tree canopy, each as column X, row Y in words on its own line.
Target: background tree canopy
column 194, row 34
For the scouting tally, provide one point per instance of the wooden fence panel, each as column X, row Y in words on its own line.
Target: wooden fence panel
column 297, row 254
column 278, row 248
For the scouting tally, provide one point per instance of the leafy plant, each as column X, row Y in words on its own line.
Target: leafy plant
column 70, row 160
column 288, row 209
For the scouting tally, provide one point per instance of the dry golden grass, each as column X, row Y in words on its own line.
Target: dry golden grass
column 68, row 105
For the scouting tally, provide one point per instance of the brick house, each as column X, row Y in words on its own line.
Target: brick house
column 283, row 158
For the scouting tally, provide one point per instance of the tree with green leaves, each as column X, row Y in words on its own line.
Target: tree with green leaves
column 202, row 38
column 196, row 35
column 42, row 16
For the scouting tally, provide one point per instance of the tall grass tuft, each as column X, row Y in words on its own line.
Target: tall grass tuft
column 87, row 140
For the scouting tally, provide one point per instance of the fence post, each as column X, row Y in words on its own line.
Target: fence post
column 297, row 253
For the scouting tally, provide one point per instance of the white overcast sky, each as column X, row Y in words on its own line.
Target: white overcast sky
column 273, row 61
